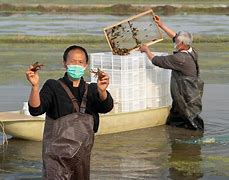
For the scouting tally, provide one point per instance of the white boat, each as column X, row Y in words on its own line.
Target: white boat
column 27, row 127
column 139, row 89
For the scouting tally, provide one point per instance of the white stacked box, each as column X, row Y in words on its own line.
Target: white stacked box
column 135, row 84
column 128, row 74
column 113, row 62
column 125, row 77
column 114, row 91
column 158, row 85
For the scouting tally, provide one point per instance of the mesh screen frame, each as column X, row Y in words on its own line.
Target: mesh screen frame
column 117, row 32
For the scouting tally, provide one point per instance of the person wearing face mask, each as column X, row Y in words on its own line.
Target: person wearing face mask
column 186, row 86
column 71, row 106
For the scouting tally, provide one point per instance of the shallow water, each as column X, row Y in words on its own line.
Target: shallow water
column 153, row 153
column 76, row 24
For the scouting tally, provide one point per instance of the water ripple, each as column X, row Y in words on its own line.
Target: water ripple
column 72, row 24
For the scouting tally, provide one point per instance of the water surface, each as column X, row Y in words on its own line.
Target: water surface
column 77, row 24
column 153, row 153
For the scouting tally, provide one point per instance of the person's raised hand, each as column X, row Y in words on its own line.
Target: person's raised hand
column 144, row 48
column 157, row 19
column 102, row 84
column 32, row 76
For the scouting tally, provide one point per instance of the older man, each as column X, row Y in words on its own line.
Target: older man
column 72, row 108
column 186, row 86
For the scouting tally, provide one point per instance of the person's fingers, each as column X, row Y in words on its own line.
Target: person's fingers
column 106, row 77
column 106, row 81
column 143, row 48
column 28, row 74
column 156, row 19
column 31, row 73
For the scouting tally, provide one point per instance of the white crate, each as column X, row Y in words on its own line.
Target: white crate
column 165, row 101
column 152, row 90
column 132, row 92
column 157, row 102
column 133, row 105
column 158, row 75
column 128, row 77
column 127, row 93
column 114, row 91
column 107, row 60
column 165, row 89
column 151, row 76
column 152, row 102
column 124, row 77
column 157, row 90
column 135, row 83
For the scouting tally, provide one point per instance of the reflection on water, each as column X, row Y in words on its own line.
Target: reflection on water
column 154, row 153
column 136, row 154
column 20, row 159
column 185, row 159
column 72, row 24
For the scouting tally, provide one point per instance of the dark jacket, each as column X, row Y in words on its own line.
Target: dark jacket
column 56, row 103
column 180, row 61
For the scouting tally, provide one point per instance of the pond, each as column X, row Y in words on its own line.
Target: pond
column 154, row 153
column 76, row 24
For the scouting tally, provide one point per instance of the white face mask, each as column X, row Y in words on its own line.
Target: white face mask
column 75, row 71
column 175, row 45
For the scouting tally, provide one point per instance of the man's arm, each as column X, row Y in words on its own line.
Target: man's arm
column 33, row 78
column 102, row 85
column 146, row 50
column 168, row 31
column 34, row 98
column 103, row 101
column 99, row 105
column 174, row 62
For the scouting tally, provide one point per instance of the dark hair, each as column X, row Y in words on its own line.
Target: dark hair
column 73, row 47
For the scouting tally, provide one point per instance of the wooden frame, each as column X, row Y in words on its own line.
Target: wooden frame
column 112, row 33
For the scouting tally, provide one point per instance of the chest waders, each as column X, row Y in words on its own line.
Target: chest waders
column 67, row 143
column 186, row 92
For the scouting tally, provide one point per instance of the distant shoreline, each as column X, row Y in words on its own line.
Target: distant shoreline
column 118, row 9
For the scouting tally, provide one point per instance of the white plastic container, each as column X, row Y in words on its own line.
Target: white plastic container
column 107, row 60
column 135, row 83
column 25, row 109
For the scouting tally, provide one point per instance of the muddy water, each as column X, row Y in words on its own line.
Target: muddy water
column 154, row 153
column 75, row 24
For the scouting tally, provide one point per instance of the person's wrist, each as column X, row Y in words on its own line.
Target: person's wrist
column 102, row 94
column 148, row 51
column 35, row 86
column 160, row 25
column 101, row 91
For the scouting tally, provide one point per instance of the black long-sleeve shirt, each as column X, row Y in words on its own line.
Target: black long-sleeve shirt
column 56, row 102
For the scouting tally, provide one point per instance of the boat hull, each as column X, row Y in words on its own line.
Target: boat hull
column 31, row 128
